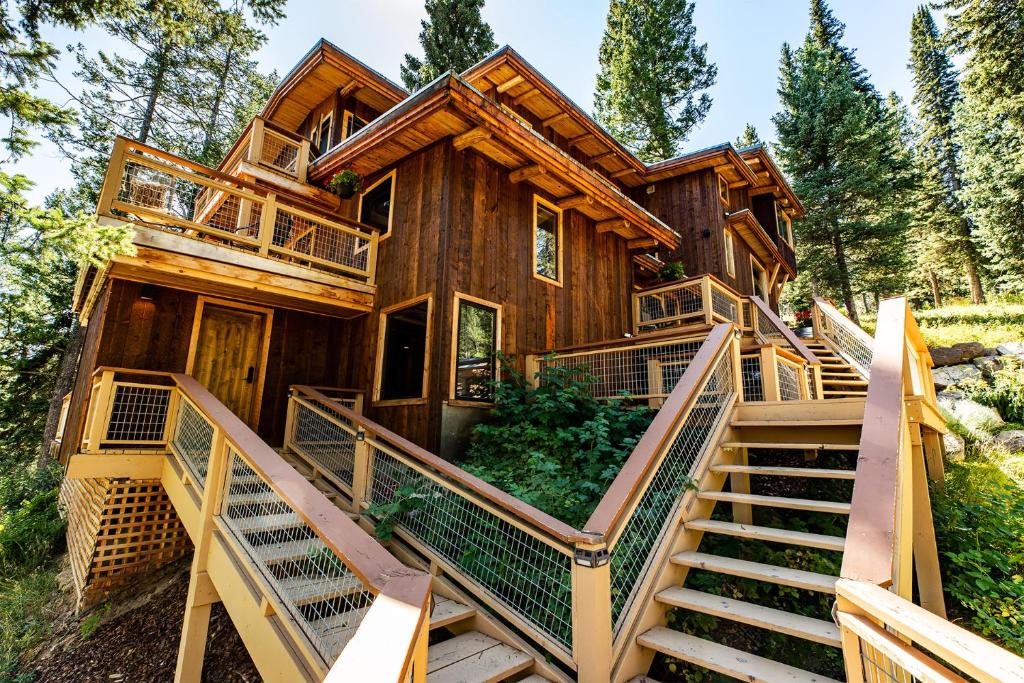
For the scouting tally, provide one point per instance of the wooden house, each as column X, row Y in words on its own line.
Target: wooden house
column 275, row 361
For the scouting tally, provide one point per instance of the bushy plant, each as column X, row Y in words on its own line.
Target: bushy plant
column 672, row 271
column 31, row 530
column 555, row 446
column 1005, row 392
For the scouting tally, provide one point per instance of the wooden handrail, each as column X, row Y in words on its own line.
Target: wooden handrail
column 612, row 508
column 784, row 330
column 695, row 332
column 523, row 511
column 848, row 324
column 687, row 281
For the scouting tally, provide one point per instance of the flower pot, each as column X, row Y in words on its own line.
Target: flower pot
column 346, row 191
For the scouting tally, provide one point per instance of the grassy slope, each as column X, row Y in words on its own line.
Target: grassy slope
column 990, row 324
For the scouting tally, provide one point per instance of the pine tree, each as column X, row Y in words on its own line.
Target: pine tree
column 748, row 137
column 990, row 128
column 842, row 147
column 936, row 96
column 454, row 37
column 650, row 89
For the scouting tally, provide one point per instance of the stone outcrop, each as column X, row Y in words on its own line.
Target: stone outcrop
column 956, row 354
column 1010, row 440
column 955, row 374
column 1011, row 349
column 976, row 418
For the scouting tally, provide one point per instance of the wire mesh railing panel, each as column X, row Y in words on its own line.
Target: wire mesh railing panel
column 193, row 439
column 753, row 381
column 667, row 307
column 325, row 441
column 768, row 331
column 789, row 381
column 300, row 234
column 649, row 371
column 812, row 387
column 843, row 339
column 879, row 668
column 138, row 414
column 280, row 152
column 326, row 599
column 747, row 313
column 724, row 305
column 638, row 539
column 525, row 574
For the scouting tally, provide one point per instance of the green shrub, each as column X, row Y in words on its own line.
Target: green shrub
column 24, row 618
column 555, row 447
column 1005, row 392
column 31, row 530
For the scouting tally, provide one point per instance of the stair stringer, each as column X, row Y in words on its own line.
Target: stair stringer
column 630, row 659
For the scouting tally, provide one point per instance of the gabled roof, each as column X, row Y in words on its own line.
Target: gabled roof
column 770, row 178
column 323, row 70
column 724, row 158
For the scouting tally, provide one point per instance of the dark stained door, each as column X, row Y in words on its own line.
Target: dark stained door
column 228, row 357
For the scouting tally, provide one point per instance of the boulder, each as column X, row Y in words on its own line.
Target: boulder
column 979, row 420
column 954, row 447
column 956, row 354
column 1010, row 440
column 1011, row 349
column 948, row 376
column 988, row 365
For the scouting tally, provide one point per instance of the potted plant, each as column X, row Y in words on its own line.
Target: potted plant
column 345, row 183
column 804, row 326
column 672, row 271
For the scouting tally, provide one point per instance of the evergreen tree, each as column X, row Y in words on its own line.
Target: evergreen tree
column 990, row 34
column 842, row 147
column 650, row 89
column 454, row 37
column 749, row 137
column 936, row 96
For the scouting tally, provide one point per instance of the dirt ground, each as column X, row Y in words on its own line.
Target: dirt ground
column 136, row 640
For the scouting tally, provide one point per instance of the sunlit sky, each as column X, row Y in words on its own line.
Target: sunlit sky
column 561, row 39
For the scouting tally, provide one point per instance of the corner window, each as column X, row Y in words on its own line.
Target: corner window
column 723, row 190
column 785, row 225
column 351, row 124
column 402, row 354
column 477, row 340
column 376, row 204
column 547, row 241
column 730, row 254
column 759, row 276
column 323, row 134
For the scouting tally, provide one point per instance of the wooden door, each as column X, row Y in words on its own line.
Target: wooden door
column 227, row 356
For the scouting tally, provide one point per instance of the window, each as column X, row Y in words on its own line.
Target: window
column 477, row 330
column 759, row 276
column 351, row 124
column 723, row 190
column 376, row 204
column 323, row 134
column 402, row 353
column 785, row 227
column 730, row 254
column 547, row 241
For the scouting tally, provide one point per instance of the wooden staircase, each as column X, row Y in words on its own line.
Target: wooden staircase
column 772, row 458
column 839, row 379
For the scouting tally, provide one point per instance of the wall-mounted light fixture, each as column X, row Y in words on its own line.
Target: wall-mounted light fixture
column 147, row 292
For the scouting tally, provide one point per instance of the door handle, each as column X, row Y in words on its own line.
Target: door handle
column 250, row 375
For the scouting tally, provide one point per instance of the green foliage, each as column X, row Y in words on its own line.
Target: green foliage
column 555, row 447
column 406, row 499
column 25, row 604
column 454, row 37
column 749, row 137
column 650, row 90
column 1005, row 392
column 670, row 272
column 347, row 179
column 990, row 324
column 90, row 623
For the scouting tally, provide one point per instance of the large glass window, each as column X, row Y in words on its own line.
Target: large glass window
column 324, row 134
column 547, row 241
column 375, row 204
column 476, row 348
column 760, row 277
column 403, row 353
column 353, row 124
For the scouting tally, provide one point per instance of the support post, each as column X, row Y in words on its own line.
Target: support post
column 532, row 368
column 769, row 374
column 592, row 613
column 255, row 150
column 302, row 163
column 268, row 218
column 100, row 410
column 931, row 441
column 926, row 553
column 360, row 471
column 705, row 295
column 112, row 179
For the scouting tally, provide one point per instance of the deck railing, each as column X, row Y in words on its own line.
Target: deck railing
column 694, row 300
column 265, row 144
column 312, row 562
column 844, row 336
column 150, row 187
column 769, row 329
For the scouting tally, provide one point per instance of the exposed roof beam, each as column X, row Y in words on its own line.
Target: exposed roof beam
column 642, row 243
column 580, row 138
column 603, row 155
column 510, row 83
column 624, row 172
column 575, row 201
column 350, row 88
column 766, row 189
column 532, row 92
column 612, row 224
column 471, row 137
column 552, row 120
column 526, row 172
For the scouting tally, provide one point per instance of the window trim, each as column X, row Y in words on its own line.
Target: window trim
column 754, row 263
column 378, row 377
column 391, row 205
column 347, row 116
column 540, row 201
column 723, row 184
column 459, row 296
column 730, row 253
column 329, row 116
column 789, row 230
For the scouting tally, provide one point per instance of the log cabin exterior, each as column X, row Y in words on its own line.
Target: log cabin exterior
column 359, row 337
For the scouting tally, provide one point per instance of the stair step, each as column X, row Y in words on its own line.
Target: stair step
column 850, row 392
column 777, row 502
column 764, row 470
column 275, row 553
column 854, row 382
column 447, row 611
column 287, row 520
column 764, row 533
column 302, row 590
column 724, row 659
column 474, row 657
column 758, row 571
column 536, row 678
column 791, row 446
column 837, row 422
column 816, row 630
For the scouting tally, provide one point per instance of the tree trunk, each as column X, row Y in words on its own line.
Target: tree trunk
column 933, row 280
column 211, row 122
column 156, row 89
column 977, row 294
column 844, row 276
column 64, row 383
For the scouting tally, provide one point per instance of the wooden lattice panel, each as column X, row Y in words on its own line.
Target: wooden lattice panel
column 81, row 504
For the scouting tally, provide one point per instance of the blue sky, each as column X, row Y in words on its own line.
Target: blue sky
column 561, row 39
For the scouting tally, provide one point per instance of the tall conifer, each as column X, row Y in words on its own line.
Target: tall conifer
column 454, row 37
column 748, row 137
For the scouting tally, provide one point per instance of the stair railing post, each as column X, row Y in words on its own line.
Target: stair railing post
column 289, row 421
column 769, row 374
column 100, row 410
column 360, row 471
column 705, row 295
column 592, row 613
column 268, row 219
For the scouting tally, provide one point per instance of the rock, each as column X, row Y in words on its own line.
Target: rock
column 954, row 447
column 979, row 420
column 1010, row 440
column 948, row 376
column 991, row 352
column 988, row 365
column 1011, row 349
column 944, row 356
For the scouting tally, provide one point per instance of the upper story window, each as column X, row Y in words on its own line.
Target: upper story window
column 723, row 190
column 547, row 241
column 730, row 253
column 402, row 352
column 784, row 224
column 760, row 279
column 377, row 205
column 351, row 124
column 477, row 341
column 323, row 133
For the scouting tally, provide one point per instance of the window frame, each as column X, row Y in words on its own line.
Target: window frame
column 329, row 116
column 789, row 230
column 457, row 305
column 723, row 184
column 378, row 373
column 346, row 117
column 730, row 253
column 755, row 264
column 391, row 205
column 559, row 239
